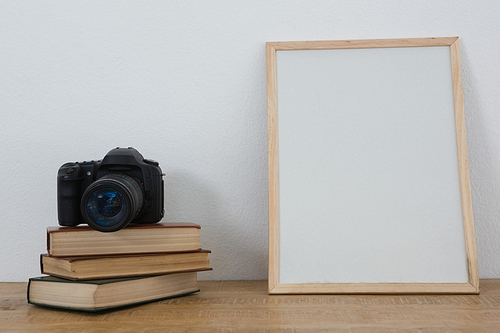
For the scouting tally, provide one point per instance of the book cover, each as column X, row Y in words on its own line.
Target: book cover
column 117, row 266
column 99, row 295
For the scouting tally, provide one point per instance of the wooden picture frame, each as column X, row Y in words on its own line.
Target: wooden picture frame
column 309, row 87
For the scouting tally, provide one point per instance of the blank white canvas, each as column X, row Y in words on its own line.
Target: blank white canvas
column 368, row 170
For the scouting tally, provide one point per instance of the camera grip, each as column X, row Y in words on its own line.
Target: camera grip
column 68, row 199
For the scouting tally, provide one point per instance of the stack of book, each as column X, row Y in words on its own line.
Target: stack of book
column 92, row 271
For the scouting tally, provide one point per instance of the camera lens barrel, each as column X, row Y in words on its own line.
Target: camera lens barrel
column 111, row 202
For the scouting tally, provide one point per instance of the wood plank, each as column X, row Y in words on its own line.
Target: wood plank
column 272, row 160
column 463, row 164
column 239, row 306
column 376, row 288
column 362, row 43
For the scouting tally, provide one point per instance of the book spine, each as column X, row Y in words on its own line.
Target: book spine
column 41, row 263
column 48, row 241
column 28, row 292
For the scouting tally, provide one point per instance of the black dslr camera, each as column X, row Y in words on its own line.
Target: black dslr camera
column 110, row 193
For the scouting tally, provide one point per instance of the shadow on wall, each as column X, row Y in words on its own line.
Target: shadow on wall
column 484, row 176
column 236, row 254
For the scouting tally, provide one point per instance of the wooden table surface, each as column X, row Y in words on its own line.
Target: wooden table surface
column 245, row 306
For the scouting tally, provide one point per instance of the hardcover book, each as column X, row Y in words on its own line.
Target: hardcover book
column 114, row 266
column 138, row 238
column 100, row 295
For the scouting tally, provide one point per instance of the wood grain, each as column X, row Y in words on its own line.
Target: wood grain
column 376, row 288
column 362, row 43
column 463, row 165
column 272, row 160
column 245, row 306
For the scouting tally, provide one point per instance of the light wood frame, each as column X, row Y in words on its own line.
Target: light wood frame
column 275, row 287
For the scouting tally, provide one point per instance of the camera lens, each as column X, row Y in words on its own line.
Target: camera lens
column 111, row 202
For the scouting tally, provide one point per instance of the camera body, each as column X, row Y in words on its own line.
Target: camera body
column 110, row 193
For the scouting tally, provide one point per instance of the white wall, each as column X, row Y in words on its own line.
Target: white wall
column 184, row 83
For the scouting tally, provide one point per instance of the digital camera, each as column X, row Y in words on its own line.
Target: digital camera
column 110, row 193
